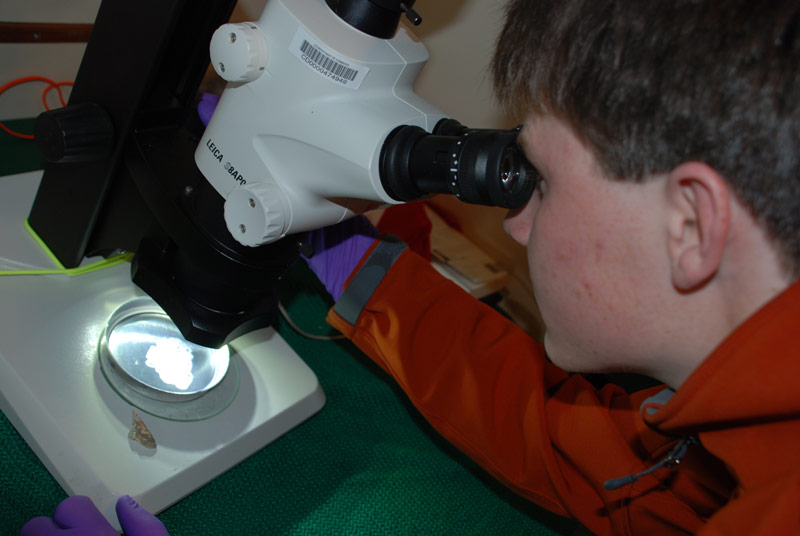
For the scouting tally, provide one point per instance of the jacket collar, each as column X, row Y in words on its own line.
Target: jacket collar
column 743, row 401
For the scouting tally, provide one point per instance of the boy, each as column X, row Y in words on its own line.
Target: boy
column 663, row 239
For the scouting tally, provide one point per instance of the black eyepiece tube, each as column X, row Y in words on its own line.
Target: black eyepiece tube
column 479, row 166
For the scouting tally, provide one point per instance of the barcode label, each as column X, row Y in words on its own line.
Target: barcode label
column 321, row 59
column 325, row 63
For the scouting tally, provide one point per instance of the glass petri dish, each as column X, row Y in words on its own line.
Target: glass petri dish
column 146, row 360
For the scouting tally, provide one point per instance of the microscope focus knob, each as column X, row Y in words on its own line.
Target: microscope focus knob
column 255, row 213
column 239, row 52
column 76, row 133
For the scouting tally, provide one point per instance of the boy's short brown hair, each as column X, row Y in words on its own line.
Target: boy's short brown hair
column 649, row 85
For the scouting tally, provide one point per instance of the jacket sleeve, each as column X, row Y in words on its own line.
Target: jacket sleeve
column 488, row 388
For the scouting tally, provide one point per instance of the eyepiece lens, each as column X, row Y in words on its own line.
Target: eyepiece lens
column 509, row 171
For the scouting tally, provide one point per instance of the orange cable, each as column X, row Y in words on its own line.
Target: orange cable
column 57, row 87
column 50, row 85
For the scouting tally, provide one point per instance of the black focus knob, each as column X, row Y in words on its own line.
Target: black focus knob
column 76, row 133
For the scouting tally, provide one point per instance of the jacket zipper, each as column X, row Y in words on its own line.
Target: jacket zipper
column 672, row 459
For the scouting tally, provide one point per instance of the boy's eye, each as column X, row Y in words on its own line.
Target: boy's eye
column 533, row 174
column 529, row 172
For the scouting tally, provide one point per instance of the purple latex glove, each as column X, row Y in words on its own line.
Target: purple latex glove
column 205, row 108
column 338, row 249
column 78, row 516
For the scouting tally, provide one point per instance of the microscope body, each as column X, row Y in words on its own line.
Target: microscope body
column 318, row 120
column 298, row 131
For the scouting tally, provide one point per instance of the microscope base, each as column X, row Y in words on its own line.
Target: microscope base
column 53, row 391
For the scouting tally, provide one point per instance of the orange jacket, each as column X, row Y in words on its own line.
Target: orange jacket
column 552, row 437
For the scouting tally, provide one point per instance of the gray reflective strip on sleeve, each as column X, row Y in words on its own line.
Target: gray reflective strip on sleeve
column 364, row 283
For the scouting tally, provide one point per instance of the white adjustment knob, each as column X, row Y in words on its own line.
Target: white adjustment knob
column 254, row 213
column 239, row 52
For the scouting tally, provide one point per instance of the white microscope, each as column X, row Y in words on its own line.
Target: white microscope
column 317, row 113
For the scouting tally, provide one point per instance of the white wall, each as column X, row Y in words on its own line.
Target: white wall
column 459, row 34
column 57, row 61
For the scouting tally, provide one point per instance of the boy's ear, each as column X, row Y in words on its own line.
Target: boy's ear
column 698, row 223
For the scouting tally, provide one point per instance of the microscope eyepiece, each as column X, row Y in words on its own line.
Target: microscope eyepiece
column 479, row 166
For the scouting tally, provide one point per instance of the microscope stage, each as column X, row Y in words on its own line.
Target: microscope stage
column 53, row 391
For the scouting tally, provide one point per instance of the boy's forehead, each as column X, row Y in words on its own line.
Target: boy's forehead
column 538, row 129
column 537, row 123
column 528, row 131
column 550, row 142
